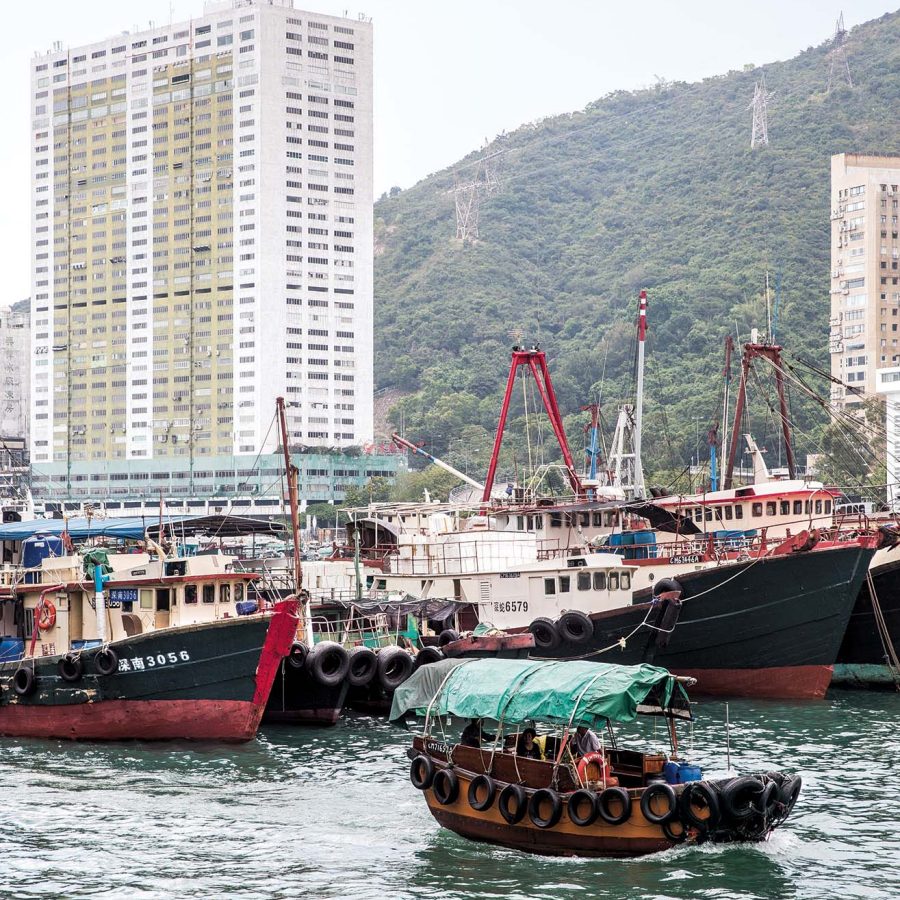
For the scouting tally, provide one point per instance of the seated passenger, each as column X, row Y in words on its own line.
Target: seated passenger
column 527, row 745
column 584, row 741
column 474, row 736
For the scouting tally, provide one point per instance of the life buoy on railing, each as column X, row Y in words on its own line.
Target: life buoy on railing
column 47, row 618
column 593, row 759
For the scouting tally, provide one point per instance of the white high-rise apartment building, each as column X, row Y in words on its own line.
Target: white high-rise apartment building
column 865, row 278
column 202, row 243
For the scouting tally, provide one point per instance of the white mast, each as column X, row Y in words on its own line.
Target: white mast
column 639, row 409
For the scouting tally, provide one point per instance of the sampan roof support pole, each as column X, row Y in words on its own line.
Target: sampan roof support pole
column 518, row 358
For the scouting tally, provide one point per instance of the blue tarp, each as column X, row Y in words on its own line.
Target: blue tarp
column 81, row 528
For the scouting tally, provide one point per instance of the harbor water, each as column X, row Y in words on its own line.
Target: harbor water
column 331, row 813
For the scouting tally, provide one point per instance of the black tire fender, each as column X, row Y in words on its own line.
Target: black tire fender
column 766, row 804
column 70, row 668
column 675, row 830
column 394, row 667
column 576, row 801
column 658, row 789
column 790, row 791
column 23, row 681
column 445, row 786
column 603, row 805
column 666, row 585
column 106, row 661
column 575, row 627
column 426, row 656
column 540, row 796
column 448, row 636
column 421, row 772
column 297, row 655
column 362, row 666
column 708, row 796
column 737, row 797
column 513, row 803
column 328, row 663
column 490, row 788
column 546, row 637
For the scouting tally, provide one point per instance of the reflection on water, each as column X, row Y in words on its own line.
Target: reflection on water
column 331, row 813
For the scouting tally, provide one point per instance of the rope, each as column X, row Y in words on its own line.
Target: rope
column 890, row 653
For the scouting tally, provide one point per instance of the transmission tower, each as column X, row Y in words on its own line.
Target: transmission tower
column 468, row 194
column 759, row 136
column 840, row 65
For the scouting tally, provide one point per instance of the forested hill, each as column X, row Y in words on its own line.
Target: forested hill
column 654, row 189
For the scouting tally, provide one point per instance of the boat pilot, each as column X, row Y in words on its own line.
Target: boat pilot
column 584, row 741
column 527, row 746
column 474, row 736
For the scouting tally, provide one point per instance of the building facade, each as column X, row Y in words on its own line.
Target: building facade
column 865, row 281
column 15, row 354
column 202, row 243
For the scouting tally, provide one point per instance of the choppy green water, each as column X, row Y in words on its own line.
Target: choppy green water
column 331, row 813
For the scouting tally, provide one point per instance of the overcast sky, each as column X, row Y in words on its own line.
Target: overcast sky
column 447, row 75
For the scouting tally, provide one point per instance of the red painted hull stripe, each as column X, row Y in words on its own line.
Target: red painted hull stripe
column 776, row 683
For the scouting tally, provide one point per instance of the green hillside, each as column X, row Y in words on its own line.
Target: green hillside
column 656, row 189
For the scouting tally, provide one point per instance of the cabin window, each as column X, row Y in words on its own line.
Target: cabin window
column 708, row 515
column 549, row 586
column 785, row 507
column 190, row 593
column 798, row 507
column 239, row 592
column 698, row 513
column 209, row 593
column 29, row 621
column 818, row 507
column 609, row 519
column 381, row 584
column 225, row 593
column 757, row 509
column 584, row 520
column 163, row 599
column 520, row 523
column 827, row 507
column 770, row 507
column 728, row 513
column 555, row 520
column 599, row 581
column 598, row 520
column 739, row 511
column 613, row 581
column 146, row 599
column 565, row 584
column 806, row 507
column 584, row 581
column 569, row 519
column 626, row 581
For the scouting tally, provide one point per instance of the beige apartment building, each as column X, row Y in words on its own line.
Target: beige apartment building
column 865, row 280
column 202, row 243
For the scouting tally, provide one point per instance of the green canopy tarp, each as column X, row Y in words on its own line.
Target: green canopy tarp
column 519, row 691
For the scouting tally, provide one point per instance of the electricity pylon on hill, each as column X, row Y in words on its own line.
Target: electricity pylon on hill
column 840, row 65
column 485, row 180
column 759, row 135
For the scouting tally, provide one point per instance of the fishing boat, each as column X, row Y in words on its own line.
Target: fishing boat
column 120, row 646
column 557, row 800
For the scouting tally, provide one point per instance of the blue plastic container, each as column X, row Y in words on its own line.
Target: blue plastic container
column 11, row 649
column 641, row 541
column 246, row 607
column 36, row 549
column 687, row 772
column 670, row 772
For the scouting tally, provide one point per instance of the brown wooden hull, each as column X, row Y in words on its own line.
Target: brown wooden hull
column 636, row 837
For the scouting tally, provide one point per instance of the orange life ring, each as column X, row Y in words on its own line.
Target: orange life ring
column 593, row 759
column 47, row 618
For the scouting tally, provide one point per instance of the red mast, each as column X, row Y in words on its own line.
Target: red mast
column 536, row 362
column 772, row 352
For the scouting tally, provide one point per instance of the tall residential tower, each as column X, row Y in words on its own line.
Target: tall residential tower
column 202, row 243
column 865, row 251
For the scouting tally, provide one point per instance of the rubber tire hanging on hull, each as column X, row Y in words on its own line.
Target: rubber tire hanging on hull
column 106, row 661
column 658, row 788
column 362, row 666
column 546, row 637
column 328, row 663
column 421, row 772
column 575, row 627
column 394, row 667
column 515, row 793
column 70, row 668
column 445, row 786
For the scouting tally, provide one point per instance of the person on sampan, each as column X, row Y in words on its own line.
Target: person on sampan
column 527, row 746
column 584, row 741
column 474, row 736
